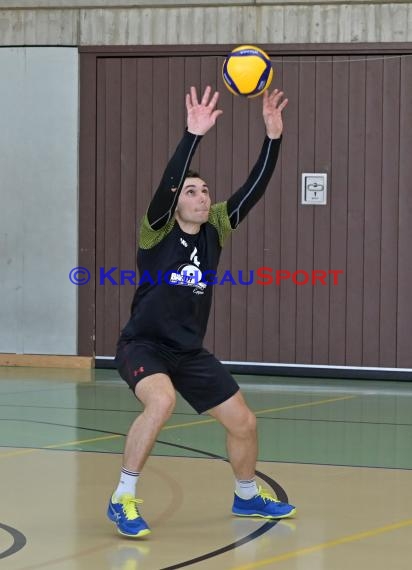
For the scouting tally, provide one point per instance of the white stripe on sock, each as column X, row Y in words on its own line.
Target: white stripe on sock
column 246, row 489
column 127, row 483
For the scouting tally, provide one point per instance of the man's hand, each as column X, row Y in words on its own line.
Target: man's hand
column 201, row 116
column 273, row 106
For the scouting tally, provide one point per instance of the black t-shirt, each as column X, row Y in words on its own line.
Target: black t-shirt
column 172, row 302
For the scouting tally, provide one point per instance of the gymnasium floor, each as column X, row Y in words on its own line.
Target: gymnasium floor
column 341, row 451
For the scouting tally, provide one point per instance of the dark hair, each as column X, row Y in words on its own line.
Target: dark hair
column 192, row 174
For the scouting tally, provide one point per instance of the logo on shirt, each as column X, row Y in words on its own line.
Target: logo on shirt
column 183, row 242
column 193, row 257
column 189, row 274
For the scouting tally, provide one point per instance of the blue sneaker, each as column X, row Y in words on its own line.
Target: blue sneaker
column 262, row 505
column 125, row 514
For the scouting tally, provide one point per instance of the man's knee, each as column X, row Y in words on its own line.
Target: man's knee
column 250, row 421
column 246, row 424
column 157, row 395
column 162, row 404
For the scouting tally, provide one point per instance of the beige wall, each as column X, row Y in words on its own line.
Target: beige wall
column 163, row 3
column 134, row 22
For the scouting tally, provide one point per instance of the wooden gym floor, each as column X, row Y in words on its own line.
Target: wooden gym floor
column 341, row 451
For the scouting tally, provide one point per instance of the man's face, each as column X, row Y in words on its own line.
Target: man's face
column 194, row 201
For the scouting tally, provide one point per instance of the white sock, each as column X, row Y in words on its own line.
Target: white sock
column 127, row 483
column 246, row 489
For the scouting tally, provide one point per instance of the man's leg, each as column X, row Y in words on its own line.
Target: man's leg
column 240, row 424
column 158, row 397
column 241, row 435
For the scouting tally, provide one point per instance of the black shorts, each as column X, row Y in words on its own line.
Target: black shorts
column 197, row 375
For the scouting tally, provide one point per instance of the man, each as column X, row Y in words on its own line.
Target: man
column 160, row 349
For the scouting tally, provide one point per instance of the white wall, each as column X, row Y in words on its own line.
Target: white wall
column 38, row 199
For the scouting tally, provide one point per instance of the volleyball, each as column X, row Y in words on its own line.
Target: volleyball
column 247, row 71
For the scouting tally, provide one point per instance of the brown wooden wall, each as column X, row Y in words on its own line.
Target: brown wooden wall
column 349, row 115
